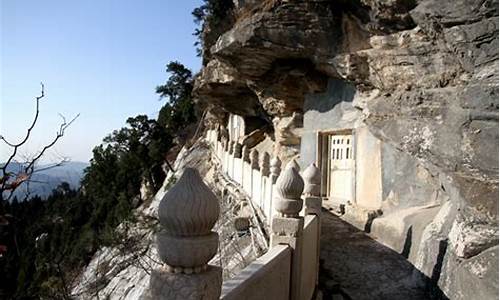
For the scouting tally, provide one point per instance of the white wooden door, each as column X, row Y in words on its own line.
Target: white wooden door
column 341, row 169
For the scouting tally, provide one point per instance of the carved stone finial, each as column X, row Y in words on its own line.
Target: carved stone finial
column 237, row 149
column 246, row 153
column 293, row 164
column 312, row 179
column 188, row 213
column 254, row 159
column 265, row 164
column 275, row 168
column 289, row 187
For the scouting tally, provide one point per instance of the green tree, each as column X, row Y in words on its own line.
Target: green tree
column 141, row 149
column 179, row 110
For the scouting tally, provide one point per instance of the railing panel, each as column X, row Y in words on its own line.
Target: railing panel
column 247, row 178
column 266, row 196
column 230, row 165
column 256, row 187
column 309, row 257
column 214, row 136
column 238, row 171
column 268, row 277
column 226, row 161
column 219, row 150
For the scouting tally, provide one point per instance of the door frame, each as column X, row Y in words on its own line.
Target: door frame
column 322, row 139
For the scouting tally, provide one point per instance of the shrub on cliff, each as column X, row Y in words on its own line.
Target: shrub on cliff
column 212, row 19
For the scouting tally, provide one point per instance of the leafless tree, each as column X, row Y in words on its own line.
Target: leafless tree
column 11, row 180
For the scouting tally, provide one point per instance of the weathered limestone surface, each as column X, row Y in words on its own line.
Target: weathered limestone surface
column 477, row 278
column 419, row 78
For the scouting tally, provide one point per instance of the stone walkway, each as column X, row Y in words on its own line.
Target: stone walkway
column 354, row 266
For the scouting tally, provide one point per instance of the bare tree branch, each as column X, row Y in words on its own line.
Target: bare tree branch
column 10, row 181
column 28, row 133
column 60, row 163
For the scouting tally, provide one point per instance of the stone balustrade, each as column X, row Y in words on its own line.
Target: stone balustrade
column 188, row 212
column 255, row 172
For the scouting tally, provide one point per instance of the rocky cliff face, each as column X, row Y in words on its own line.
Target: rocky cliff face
column 422, row 77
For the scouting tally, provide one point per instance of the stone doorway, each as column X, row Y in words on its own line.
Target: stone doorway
column 336, row 158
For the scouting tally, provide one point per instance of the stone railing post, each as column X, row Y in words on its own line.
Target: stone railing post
column 223, row 144
column 186, row 242
column 313, row 202
column 216, row 140
column 238, row 163
column 230, row 168
column 275, row 169
column 214, row 136
column 288, row 227
column 254, row 159
column 219, row 141
column 224, row 158
column 266, row 186
column 265, row 164
column 312, row 189
column 247, row 170
column 256, row 176
column 245, row 153
column 237, row 150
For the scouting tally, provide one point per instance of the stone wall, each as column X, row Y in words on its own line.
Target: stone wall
column 330, row 110
column 369, row 181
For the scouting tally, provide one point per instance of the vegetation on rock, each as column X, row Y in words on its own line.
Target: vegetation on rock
column 211, row 15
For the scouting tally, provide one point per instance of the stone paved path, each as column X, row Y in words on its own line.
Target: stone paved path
column 354, row 266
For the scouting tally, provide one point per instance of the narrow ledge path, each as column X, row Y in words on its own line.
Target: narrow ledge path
column 355, row 266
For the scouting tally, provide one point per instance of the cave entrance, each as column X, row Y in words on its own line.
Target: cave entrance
column 336, row 158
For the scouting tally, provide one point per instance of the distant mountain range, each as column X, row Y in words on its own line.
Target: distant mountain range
column 42, row 183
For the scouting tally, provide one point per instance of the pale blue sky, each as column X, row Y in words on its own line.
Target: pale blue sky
column 99, row 58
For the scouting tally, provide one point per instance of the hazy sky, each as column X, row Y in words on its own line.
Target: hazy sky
column 99, row 58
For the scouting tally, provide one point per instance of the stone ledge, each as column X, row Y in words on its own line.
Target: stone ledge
column 360, row 218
